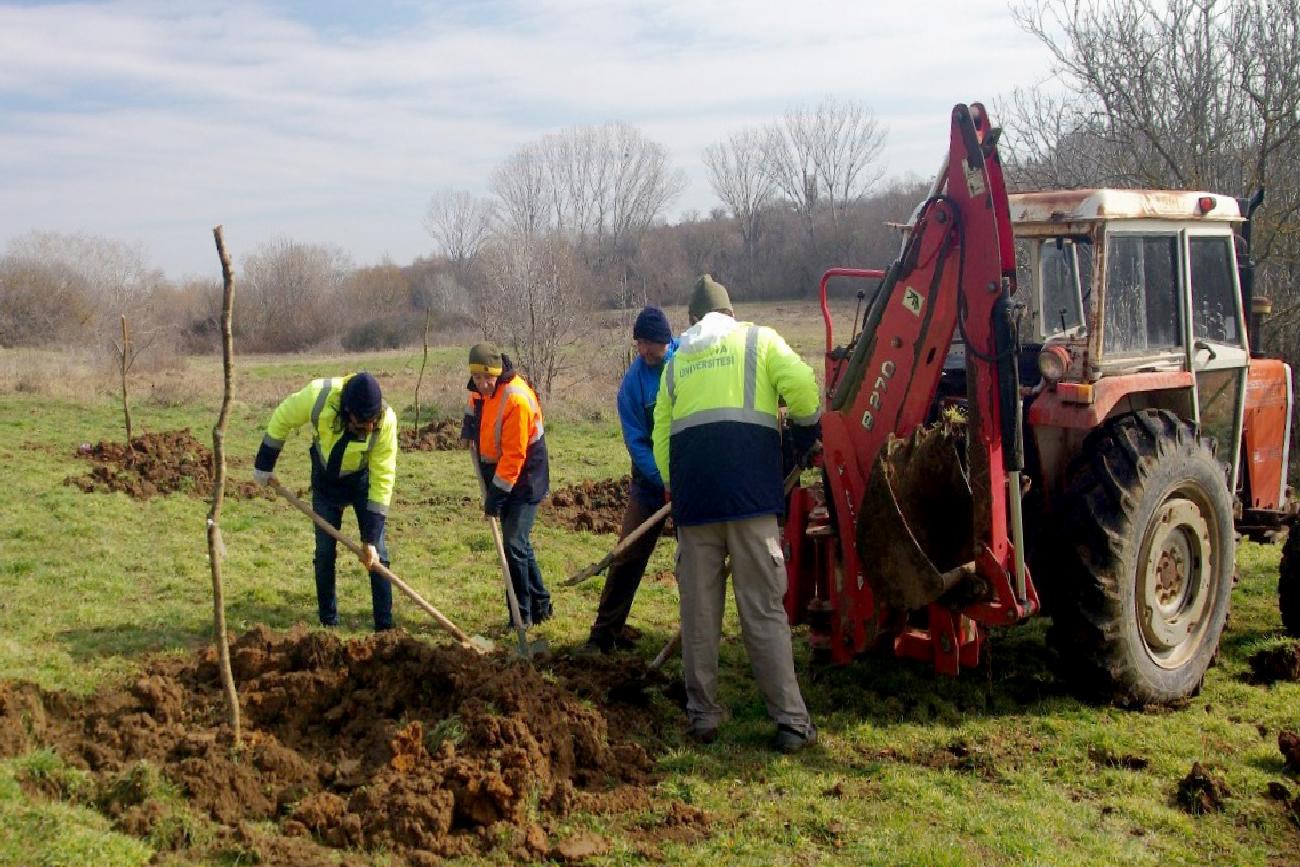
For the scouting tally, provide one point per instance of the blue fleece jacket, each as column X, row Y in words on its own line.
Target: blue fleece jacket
column 636, row 411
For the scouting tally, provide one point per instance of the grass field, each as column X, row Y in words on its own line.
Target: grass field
column 1000, row 766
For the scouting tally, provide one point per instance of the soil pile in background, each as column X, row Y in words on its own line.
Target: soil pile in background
column 1276, row 663
column 595, row 506
column 436, row 436
column 379, row 744
column 156, row 463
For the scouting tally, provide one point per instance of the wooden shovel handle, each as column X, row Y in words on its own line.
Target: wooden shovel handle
column 359, row 550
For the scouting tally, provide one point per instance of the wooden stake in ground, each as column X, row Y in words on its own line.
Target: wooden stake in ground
column 124, row 364
column 419, row 379
column 215, row 547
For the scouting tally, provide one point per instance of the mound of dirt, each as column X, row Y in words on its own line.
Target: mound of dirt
column 156, row 463
column 595, row 506
column 384, row 743
column 436, row 436
column 1277, row 663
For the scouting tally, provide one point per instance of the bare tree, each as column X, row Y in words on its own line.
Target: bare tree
column 535, row 292
column 216, row 548
column 76, row 286
column 1188, row 94
column 824, row 158
column 288, row 291
column 599, row 187
column 736, row 174
column 459, row 222
column 523, row 189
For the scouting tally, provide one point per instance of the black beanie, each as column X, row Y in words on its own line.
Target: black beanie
column 362, row 397
column 652, row 324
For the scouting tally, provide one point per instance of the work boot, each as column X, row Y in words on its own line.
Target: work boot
column 790, row 740
column 590, row 648
column 544, row 614
column 597, row 644
column 625, row 639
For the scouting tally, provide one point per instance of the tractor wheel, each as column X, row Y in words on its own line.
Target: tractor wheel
column 1288, row 582
column 1146, row 576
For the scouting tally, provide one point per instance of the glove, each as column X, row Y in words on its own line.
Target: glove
column 495, row 501
column 369, row 557
column 803, row 439
column 262, row 477
column 469, row 428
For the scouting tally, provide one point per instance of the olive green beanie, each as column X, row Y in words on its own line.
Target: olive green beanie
column 485, row 358
column 708, row 296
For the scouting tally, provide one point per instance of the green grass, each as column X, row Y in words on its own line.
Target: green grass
column 89, row 584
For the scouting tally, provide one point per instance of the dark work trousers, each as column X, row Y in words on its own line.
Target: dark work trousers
column 625, row 575
column 516, row 525
column 381, row 592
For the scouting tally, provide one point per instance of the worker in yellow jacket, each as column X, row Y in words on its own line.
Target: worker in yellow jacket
column 717, row 445
column 353, row 463
column 505, row 418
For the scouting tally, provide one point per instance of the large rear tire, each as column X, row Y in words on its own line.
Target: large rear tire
column 1147, row 561
column 1288, row 582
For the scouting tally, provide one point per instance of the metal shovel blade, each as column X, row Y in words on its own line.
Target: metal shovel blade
column 916, row 521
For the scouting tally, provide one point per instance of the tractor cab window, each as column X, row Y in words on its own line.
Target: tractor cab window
column 1142, row 313
column 1057, row 272
column 1066, row 271
column 1214, row 292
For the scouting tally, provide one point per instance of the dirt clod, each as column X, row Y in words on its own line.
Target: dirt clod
column 1201, row 792
column 154, row 464
column 436, row 436
column 1276, row 663
column 1289, row 743
column 1106, row 758
column 579, row 848
column 379, row 744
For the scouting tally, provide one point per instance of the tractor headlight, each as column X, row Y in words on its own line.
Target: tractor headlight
column 1053, row 362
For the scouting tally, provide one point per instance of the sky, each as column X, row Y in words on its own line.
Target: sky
column 333, row 122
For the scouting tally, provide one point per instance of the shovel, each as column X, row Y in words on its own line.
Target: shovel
column 526, row 648
column 477, row 643
column 628, row 540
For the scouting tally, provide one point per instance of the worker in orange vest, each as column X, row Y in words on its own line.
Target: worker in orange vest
column 505, row 418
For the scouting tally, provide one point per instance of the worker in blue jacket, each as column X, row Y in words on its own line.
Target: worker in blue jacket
column 655, row 344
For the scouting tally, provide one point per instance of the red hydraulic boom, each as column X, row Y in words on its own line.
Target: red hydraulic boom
column 862, row 566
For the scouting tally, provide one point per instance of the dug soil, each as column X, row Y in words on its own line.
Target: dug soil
column 379, row 744
column 436, row 436
column 593, row 506
column 167, row 462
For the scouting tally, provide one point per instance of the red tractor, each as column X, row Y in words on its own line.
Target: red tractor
column 1051, row 396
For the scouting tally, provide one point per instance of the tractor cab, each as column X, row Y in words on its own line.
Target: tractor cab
column 1134, row 301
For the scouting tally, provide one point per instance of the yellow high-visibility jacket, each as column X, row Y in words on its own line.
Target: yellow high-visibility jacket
column 341, row 464
column 716, row 438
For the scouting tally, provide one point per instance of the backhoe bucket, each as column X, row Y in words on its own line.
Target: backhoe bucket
column 915, row 526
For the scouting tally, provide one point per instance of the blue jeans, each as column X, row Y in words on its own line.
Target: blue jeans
column 516, row 524
column 327, row 604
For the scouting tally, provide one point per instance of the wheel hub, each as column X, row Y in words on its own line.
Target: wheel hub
column 1175, row 584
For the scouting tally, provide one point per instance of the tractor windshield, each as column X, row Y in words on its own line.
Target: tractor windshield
column 1058, row 274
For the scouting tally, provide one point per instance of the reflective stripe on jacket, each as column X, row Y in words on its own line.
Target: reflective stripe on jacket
column 511, row 438
column 716, row 439
column 337, row 457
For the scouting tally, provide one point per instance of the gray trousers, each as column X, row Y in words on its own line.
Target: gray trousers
column 758, row 579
